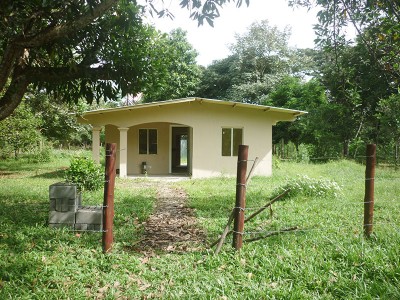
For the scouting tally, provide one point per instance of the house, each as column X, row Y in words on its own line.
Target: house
column 193, row 136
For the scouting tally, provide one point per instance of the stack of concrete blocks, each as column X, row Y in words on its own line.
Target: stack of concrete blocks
column 66, row 209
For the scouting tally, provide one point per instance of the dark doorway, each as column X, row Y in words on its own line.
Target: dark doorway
column 180, row 150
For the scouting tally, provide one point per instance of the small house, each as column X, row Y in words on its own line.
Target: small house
column 190, row 137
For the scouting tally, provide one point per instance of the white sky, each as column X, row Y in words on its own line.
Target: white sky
column 212, row 43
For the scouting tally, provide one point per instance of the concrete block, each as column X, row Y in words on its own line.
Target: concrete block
column 63, row 205
column 88, row 227
column 63, row 190
column 56, row 217
column 89, row 215
column 81, row 226
column 60, row 225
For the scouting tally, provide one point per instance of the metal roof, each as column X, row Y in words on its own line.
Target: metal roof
column 200, row 100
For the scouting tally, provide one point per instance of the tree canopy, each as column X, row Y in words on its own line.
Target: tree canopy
column 92, row 49
column 376, row 22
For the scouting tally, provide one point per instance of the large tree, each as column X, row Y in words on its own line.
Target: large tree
column 182, row 74
column 376, row 22
column 91, row 49
column 260, row 58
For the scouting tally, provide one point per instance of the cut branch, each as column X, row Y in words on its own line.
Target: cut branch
column 226, row 232
column 295, row 228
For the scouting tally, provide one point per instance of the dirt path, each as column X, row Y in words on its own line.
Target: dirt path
column 172, row 226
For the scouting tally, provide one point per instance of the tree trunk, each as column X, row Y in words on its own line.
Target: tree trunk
column 346, row 148
column 13, row 96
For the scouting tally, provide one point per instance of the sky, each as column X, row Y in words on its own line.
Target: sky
column 212, row 42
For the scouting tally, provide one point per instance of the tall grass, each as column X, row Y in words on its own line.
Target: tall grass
column 327, row 259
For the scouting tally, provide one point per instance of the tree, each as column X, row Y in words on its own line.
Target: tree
column 377, row 24
column 260, row 58
column 263, row 51
column 20, row 132
column 92, row 49
column 182, row 75
column 219, row 77
column 58, row 124
column 310, row 96
column 388, row 114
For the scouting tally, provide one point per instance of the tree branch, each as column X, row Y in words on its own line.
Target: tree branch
column 55, row 32
column 13, row 96
column 11, row 54
column 54, row 75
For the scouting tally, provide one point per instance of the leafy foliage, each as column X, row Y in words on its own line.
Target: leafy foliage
column 181, row 73
column 200, row 10
column 377, row 25
column 311, row 187
column 260, row 58
column 20, row 132
column 59, row 125
column 85, row 173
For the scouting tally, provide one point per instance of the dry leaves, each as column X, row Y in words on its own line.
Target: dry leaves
column 172, row 226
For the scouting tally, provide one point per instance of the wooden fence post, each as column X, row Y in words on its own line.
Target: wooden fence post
column 108, row 204
column 238, row 225
column 369, row 189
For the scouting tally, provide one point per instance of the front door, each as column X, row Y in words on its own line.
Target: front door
column 180, row 150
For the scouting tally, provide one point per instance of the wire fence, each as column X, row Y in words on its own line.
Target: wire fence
column 345, row 215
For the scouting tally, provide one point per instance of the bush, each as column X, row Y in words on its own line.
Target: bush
column 311, row 187
column 85, row 173
column 42, row 155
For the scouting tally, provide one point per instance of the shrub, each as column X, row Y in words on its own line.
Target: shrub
column 85, row 173
column 42, row 155
column 311, row 187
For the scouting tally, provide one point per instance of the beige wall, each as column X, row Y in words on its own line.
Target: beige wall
column 206, row 120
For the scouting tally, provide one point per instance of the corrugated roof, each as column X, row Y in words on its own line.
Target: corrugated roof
column 201, row 100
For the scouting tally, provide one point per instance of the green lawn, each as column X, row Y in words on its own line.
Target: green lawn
column 327, row 259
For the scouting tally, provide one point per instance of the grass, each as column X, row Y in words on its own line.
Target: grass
column 327, row 259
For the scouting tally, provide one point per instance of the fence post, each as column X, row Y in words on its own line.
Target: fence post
column 238, row 225
column 369, row 189
column 108, row 209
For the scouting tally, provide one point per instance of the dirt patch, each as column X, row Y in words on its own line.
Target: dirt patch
column 172, row 226
column 6, row 174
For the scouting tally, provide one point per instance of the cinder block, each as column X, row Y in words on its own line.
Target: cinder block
column 63, row 205
column 81, row 226
column 59, row 225
column 88, row 227
column 63, row 190
column 61, row 217
column 89, row 215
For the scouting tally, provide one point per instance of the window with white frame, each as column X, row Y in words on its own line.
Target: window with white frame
column 231, row 139
column 147, row 141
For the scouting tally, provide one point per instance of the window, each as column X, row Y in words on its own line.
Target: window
column 147, row 141
column 231, row 139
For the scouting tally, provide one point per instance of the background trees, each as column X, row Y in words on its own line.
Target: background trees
column 181, row 73
column 56, row 53
column 20, row 132
column 260, row 58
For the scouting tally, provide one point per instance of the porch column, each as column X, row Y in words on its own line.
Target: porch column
column 123, row 151
column 96, row 144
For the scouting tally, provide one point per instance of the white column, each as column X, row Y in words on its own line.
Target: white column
column 123, row 151
column 96, row 144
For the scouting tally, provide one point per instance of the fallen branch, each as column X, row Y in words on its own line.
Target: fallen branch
column 226, row 232
column 272, row 233
column 267, row 205
column 251, row 170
